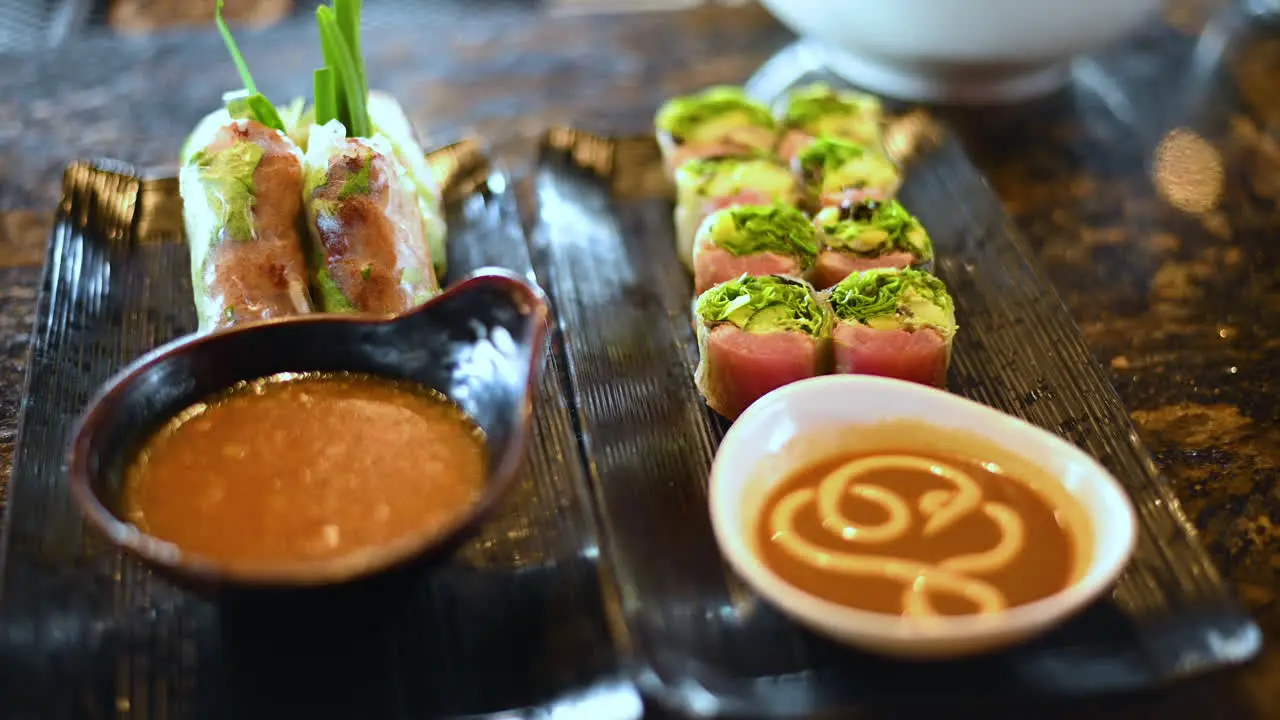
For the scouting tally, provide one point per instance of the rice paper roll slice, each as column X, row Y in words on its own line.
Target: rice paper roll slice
column 893, row 322
column 753, row 240
column 869, row 234
column 241, row 186
column 839, row 172
column 706, row 185
column 817, row 110
column 369, row 248
column 757, row 334
column 721, row 121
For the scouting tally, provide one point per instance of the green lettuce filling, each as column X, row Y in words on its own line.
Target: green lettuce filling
column 764, row 304
column 751, row 229
column 840, row 163
column 874, row 227
column 809, row 105
column 683, row 116
column 227, row 177
column 331, row 297
column 891, row 298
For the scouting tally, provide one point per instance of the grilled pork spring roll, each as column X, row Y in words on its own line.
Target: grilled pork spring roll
column 839, row 172
column 706, row 185
column 870, row 234
column 752, row 240
column 718, row 122
column 369, row 246
column 241, row 186
column 895, row 323
column 817, row 110
column 756, row 334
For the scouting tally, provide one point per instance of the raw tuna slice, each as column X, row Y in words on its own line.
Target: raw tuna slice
column 833, row 266
column 895, row 323
column 738, row 367
column 756, row 334
column 919, row 356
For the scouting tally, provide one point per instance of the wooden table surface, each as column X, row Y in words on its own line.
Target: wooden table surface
column 1149, row 189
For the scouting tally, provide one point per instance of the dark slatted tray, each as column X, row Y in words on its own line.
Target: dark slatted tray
column 514, row 624
column 696, row 637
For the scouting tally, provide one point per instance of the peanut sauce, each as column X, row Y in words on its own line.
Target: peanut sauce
column 304, row 468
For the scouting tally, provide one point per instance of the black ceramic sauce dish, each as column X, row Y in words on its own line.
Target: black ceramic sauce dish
column 480, row 343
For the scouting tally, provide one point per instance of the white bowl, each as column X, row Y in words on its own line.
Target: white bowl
column 793, row 426
column 958, row 50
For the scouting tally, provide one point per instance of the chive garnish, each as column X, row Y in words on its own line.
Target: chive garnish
column 349, row 87
column 260, row 107
column 326, row 102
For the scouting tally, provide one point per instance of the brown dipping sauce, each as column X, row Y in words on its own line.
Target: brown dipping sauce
column 917, row 533
column 301, row 468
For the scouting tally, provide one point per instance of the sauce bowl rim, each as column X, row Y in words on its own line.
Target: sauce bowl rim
column 1112, row 546
column 500, row 476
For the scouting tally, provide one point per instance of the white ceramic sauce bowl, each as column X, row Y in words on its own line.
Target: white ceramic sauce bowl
column 962, row 51
column 764, row 447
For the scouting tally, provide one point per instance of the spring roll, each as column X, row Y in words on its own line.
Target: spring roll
column 706, row 185
column 893, row 322
column 369, row 250
column 241, row 187
column 753, row 240
column 817, row 110
column 839, row 172
column 756, row 334
column 870, row 234
column 720, row 121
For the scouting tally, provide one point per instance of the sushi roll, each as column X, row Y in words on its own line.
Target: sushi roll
column 870, row 234
column 369, row 240
column 895, row 323
column 721, row 121
column 753, row 240
column 756, row 334
column 241, row 184
column 840, row 172
column 706, row 185
column 817, row 110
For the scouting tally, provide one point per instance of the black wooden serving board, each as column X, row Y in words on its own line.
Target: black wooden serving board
column 513, row 626
column 695, row 637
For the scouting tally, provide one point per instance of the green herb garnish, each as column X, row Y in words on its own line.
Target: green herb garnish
column 818, row 101
column 357, row 183
column 874, row 227
column 901, row 297
column 681, row 116
column 766, row 303
column 256, row 104
column 781, row 229
column 342, row 92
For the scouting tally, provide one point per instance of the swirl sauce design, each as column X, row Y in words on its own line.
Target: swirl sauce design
column 916, row 535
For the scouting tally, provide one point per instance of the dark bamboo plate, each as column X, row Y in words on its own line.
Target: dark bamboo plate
column 513, row 625
column 695, row 637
